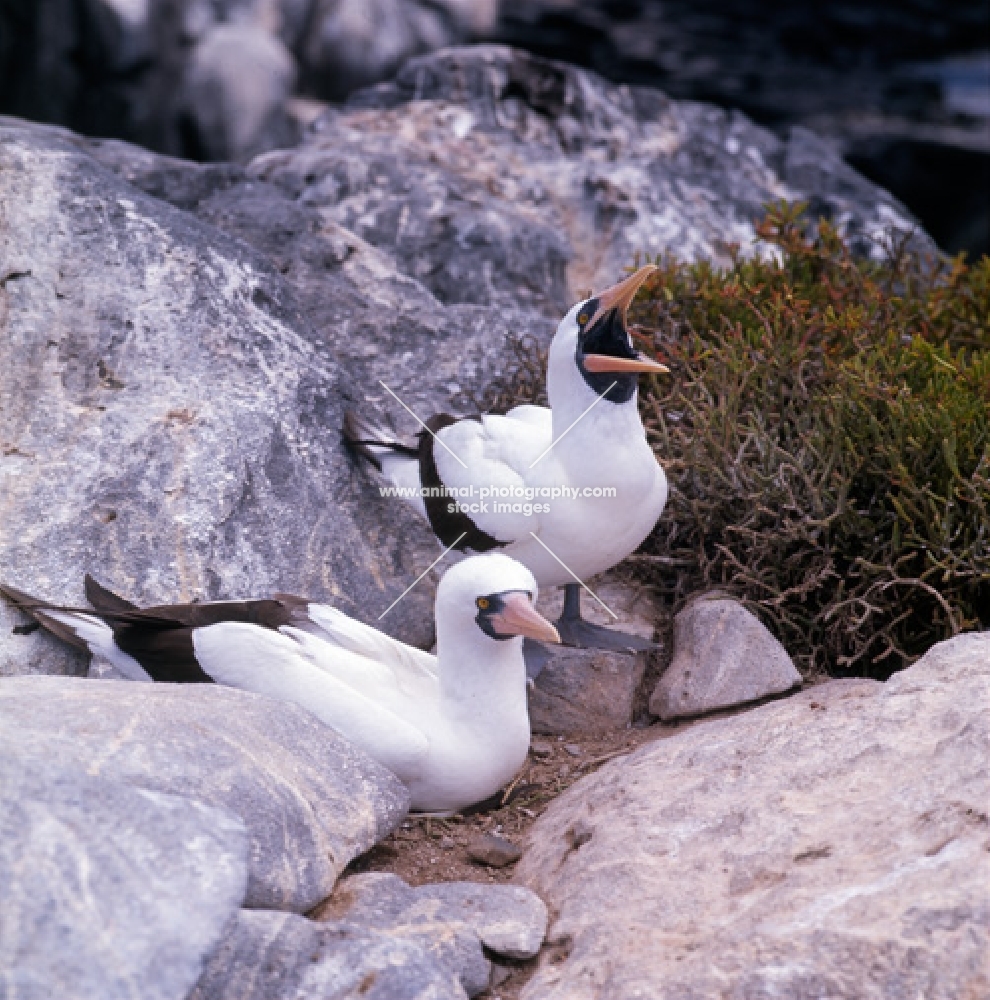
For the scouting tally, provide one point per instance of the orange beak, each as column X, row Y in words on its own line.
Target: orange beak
column 620, row 297
column 604, row 363
column 519, row 617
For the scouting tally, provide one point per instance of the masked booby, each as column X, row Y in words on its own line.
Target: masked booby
column 590, row 442
column 454, row 727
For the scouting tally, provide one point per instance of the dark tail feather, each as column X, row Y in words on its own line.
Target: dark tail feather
column 24, row 601
column 36, row 608
column 369, row 440
column 106, row 601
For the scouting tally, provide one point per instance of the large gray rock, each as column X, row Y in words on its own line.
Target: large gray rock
column 594, row 691
column 723, row 656
column 109, row 892
column 377, row 933
column 831, row 844
column 237, row 82
column 309, row 800
column 173, row 413
column 505, row 147
column 280, row 956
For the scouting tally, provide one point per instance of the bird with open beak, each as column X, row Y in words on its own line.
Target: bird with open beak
column 569, row 490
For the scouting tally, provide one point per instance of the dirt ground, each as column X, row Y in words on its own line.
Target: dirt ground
column 428, row 849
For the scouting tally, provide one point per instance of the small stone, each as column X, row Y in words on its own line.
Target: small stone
column 456, row 922
column 579, row 834
column 499, row 975
column 495, row 851
column 723, row 656
column 573, row 749
column 593, row 691
column 447, row 843
column 540, row 749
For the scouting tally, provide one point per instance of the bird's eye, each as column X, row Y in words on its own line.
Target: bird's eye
column 583, row 318
column 483, row 603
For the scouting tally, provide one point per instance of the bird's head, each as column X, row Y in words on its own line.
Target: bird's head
column 497, row 594
column 593, row 340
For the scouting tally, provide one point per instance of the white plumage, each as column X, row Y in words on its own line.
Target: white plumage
column 454, row 727
column 585, row 459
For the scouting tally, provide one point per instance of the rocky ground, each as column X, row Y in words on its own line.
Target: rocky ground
column 424, row 850
column 178, row 343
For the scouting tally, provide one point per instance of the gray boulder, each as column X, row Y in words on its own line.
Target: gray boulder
column 830, row 844
column 497, row 135
column 595, row 691
column 173, row 413
column 237, row 82
column 453, row 919
column 309, row 800
column 109, row 892
column 280, row 956
column 377, row 934
column 723, row 656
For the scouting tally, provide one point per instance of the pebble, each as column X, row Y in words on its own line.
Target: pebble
column 495, row 851
column 573, row 749
column 499, row 975
column 540, row 749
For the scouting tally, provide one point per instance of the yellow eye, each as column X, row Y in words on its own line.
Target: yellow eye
column 583, row 318
column 482, row 603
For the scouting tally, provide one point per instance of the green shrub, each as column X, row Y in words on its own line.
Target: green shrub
column 826, row 435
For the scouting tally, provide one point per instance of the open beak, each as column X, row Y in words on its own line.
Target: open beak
column 519, row 617
column 621, row 295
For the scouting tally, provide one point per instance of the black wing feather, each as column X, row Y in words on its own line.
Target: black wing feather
column 447, row 525
column 161, row 638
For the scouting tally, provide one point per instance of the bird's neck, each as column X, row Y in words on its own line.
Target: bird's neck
column 480, row 678
column 584, row 424
column 579, row 412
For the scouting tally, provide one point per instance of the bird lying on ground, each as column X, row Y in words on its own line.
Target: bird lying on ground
column 589, row 442
column 454, row 727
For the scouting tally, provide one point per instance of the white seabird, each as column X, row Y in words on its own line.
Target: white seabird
column 589, row 442
column 454, row 727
